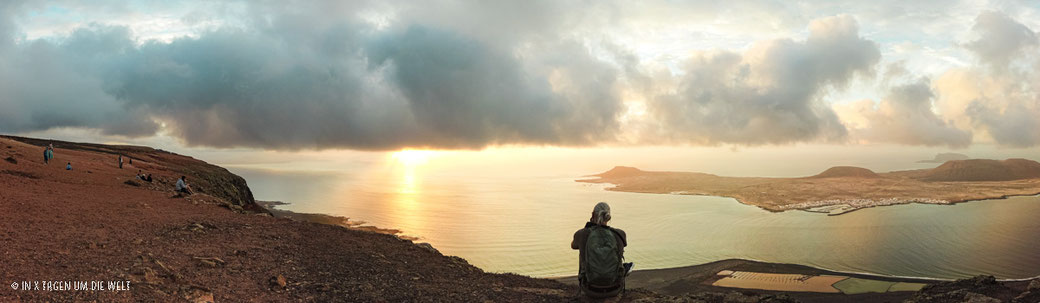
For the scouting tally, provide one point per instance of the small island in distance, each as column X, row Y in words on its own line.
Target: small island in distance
column 842, row 189
column 943, row 157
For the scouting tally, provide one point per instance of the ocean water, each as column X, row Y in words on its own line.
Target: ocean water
column 519, row 216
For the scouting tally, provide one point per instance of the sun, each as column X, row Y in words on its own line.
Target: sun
column 412, row 157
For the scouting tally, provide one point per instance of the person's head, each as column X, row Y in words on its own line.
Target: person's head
column 184, row 178
column 601, row 213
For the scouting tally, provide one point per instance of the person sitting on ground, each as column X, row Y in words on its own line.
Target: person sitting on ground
column 182, row 186
column 68, row 166
column 601, row 251
column 140, row 175
column 148, row 178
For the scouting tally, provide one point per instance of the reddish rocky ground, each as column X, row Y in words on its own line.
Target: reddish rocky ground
column 98, row 223
column 90, row 224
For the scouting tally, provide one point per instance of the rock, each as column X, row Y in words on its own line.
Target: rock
column 11, row 159
column 979, row 298
column 278, row 281
column 148, row 276
column 959, row 295
column 199, row 295
column 428, row 246
column 212, row 262
column 1031, row 296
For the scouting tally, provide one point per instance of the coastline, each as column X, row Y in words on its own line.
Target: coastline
column 345, row 222
column 96, row 222
column 221, row 245
column 831, row 195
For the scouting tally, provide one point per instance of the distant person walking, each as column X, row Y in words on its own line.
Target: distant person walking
column 48, row 154
column 601, row 251
column 182, row 186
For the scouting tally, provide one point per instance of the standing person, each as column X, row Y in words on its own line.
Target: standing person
column 49, row 152
column 182, row 186
column 46, row 155
column 601, row 251
column 120, row 161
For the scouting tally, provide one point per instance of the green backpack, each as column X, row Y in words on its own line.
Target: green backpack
column 603, row 267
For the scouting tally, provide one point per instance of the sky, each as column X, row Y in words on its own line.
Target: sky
column 471, row 75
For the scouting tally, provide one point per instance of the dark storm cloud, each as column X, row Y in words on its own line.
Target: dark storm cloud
column 769, row 94
column 49, row 85
column 302, row 78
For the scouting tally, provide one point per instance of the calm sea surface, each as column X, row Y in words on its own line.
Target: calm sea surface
column 519, row 217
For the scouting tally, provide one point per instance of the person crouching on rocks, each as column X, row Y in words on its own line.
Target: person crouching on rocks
column 601, row 251
column 182, row 186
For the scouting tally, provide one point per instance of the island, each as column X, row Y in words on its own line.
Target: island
column 99, row 221
column 842, row 189
column 943, row 157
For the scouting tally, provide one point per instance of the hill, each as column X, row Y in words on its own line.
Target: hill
column 98, row 222
column 943, row 157
column 620, row 172
column 843, row 189
column 846, row 171
column 984, row 170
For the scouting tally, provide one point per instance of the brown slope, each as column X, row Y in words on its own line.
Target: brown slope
column 203, row 177
column 846, row 171
column 984, row 170
column 88, row 224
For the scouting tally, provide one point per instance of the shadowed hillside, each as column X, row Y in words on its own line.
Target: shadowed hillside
column 847, row 171
column 984, row 170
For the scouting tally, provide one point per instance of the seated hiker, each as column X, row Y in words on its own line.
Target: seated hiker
column 182, row 186
column 148, row 178
column 68, row 166
column 601, row 250
column 140, row 175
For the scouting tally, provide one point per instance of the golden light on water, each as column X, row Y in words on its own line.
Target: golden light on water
column 411, row 158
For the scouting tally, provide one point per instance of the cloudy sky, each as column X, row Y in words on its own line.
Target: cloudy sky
column 450, row 74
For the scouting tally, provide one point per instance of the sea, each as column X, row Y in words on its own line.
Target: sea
column 516, row 209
